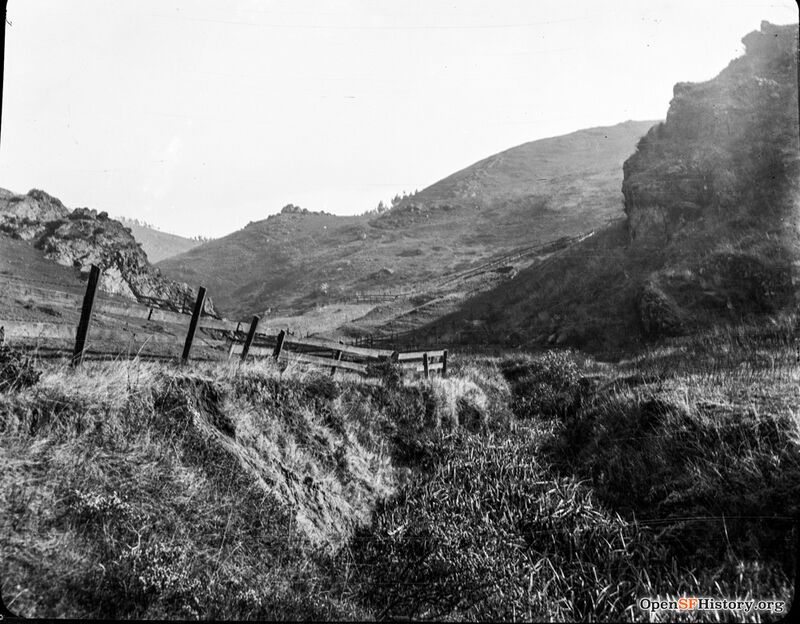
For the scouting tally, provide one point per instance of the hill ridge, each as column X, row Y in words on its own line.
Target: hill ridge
column 530, row 196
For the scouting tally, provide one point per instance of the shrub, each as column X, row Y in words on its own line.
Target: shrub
column 389, row 372
column 547, row 385
column 320, row 385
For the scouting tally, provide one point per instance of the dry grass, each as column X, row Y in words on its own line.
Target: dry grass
column 134, row 489
column 613, row 482
column 322, row 319
column 540, row 487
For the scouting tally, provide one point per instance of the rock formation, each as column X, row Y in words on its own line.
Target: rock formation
column 715, row 188
column 83, row 237
column 727, row 147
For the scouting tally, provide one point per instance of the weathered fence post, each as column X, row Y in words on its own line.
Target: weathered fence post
column 336, row 359
column 279, row 345
column 198, row 310
column 444, row 363
column 86, row 316
column 425, row 363
column 250, row 335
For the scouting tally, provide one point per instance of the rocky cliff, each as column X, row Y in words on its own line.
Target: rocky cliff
column 83, row 237
column 712, row 229
column 715, row 189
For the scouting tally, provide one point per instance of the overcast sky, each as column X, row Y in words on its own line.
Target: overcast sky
column 199, row 116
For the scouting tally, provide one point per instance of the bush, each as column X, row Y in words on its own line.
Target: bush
column 547, row 385
column 389, row 372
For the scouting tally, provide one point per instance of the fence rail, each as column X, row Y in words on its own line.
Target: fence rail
column 131, row 329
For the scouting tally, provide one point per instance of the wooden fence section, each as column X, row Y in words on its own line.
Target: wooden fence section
column 375, row 297
column 110, row 329
column 424, row 361
column 53, row 339
column 336, row 355
column 109, row 305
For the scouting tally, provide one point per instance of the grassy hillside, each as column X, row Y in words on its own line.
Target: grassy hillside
column 521, row 170
column 23, row 261
column 535, row 488
column 530, row 194
column 711, row 228
column 159, row 245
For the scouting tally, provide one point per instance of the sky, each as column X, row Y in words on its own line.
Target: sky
column 199, row 116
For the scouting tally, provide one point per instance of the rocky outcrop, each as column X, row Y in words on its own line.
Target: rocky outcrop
column 715, row 188
column 83, row 237
column 26, row 216
column 725, row 146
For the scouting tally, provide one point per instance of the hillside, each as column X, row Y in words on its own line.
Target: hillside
column 78, row 239
column 156, row 244
column 711, row 228
column 530, row 194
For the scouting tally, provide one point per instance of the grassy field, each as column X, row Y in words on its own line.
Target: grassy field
column 545, row 487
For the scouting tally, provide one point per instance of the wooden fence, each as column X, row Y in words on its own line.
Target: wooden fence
column 112, row 329
column 374, row 297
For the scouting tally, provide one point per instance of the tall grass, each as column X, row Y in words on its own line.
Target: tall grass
column 548, row 487
column 142, row 490
column 488, row 534
column 135, row 490
column 611, row 484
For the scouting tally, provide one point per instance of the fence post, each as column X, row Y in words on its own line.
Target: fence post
column 198, row 309
column 425, row 363
column 336, row 359
column 279, row 344
column 250, row 335
column 86, row 316
column 444, row 363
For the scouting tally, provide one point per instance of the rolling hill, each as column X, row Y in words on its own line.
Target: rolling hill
column 711, row 231
column 527, row 195
column 156, row 244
